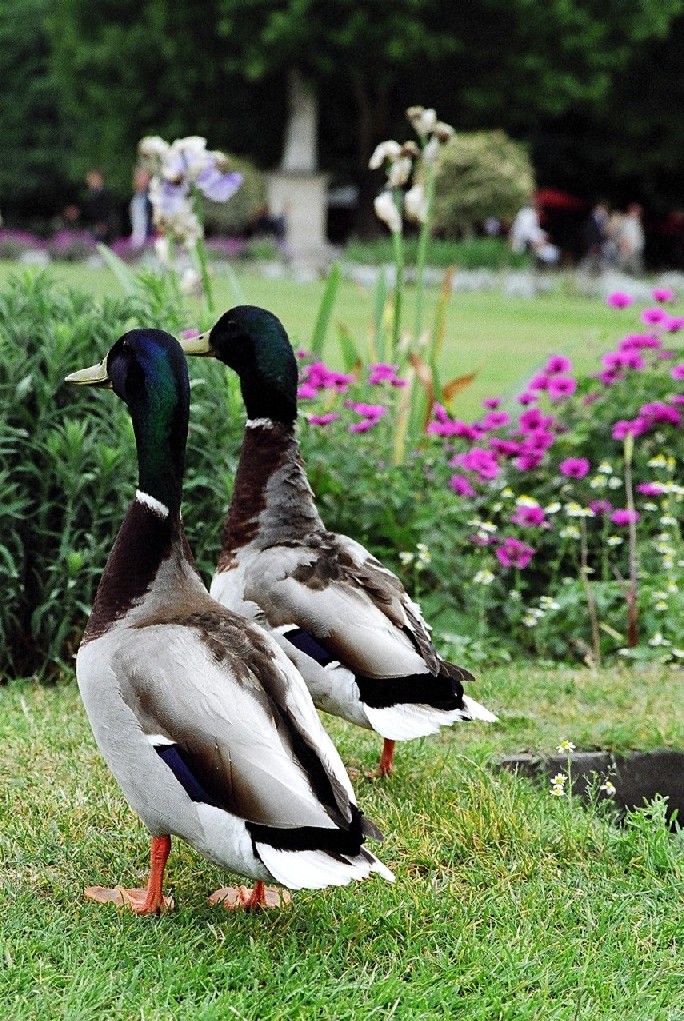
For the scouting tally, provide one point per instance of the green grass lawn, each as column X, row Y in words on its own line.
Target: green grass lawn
column 508, row 904
column 502, row 339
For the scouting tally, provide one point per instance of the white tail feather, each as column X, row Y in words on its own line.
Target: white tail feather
column 314, row 870
column 406, row 721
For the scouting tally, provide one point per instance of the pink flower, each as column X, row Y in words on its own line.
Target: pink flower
column 527, row 398
column 674, row 324
column 461, row 486
column 574, row 467
column 618, row 299
column 374, row 411
column 453, row 427
column 662, row 294
column 323, row 378
column 306, row 391
column 650, row 489
column 494, row 420
column 658, row 413
column 384, row 373
column 363, row 426
column 635, row 426
column 539, row 382
column 537, row 441
column 624, row 516
column 610, row 376
column 533, row 419
column 652, row 316
column 627, row 358
column 676, row 399
column 561, row 387
column 507, row 448
column 529, row 517
column 478, row 460
column 639, row 340
column 556, row 364
column 528, row 461
column 513, row 553
column 590, row 398
column 677, row 371
column 491, row 402
column 323, row 419
column 601, row 506
column 440, row 413
column 187, row 334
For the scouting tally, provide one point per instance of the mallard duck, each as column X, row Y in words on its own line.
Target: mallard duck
column 205, row 723
column 358, row 639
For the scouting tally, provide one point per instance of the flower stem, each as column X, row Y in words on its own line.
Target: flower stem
column 423, row 239
column 201, row 252
column 591, row 602
column 632, row 609
column 398, row 240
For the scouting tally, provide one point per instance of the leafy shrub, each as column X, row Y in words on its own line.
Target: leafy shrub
column 480, row 175
column 15, row 243
column 468, row 253
column 68, row 465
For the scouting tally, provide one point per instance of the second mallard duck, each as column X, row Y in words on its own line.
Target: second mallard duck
column 347, row 622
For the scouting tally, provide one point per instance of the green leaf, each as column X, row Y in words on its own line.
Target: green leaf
column 325, row 309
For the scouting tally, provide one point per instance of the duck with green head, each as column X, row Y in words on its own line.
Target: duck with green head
column 206, row 725
column 358, row 639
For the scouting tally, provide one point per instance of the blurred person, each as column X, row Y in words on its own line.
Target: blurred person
column 527, row 235
column 97, row 211
column 630, row 241
column 595, row 237
column 140, row 209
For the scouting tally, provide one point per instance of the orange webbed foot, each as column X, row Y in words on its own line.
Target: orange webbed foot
column 236, row 898
column 137, row 900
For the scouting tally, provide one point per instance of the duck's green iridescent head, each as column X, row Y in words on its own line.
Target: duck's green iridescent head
column 253, row 342
column 146, row 368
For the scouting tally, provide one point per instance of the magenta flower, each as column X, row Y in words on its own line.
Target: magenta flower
column 537, row 441
column 539, row 382
column 478, row 460
column 363, row 426
column 556, row 364
column 653, row 316
column 677, row 371
column 306, row 391
column 323, row 378
column 624, row 516
column 619, row 299
column 527, row 398
column 367, row 410
column 659, row 413
column 590, row 398
column 601, row 506
column 627, row 358
column 674, row 324
column 574, row 467
column 491, row 402
column 494, row 420
column 323, row 419
column 461, row 486
column 533, row 419
column 514, row 553
column 507, row 448
column 453, row 427
column 529, row 517
column 635, row 426
column 610, row 376
column 676, row 399
column 384, row 373
column 662, row 294
column 650, row 489
column 639, row 340
column 561, row 387
column 528, row 461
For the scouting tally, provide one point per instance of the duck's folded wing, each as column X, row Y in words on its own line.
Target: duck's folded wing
column 236, row 724
column 346, row 600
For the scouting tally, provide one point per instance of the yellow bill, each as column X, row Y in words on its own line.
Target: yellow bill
column 95, row 375
column 199, row 345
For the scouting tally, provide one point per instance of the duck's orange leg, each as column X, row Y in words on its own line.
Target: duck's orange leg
column 386, row 763
column 233, row 898
column 143, row 902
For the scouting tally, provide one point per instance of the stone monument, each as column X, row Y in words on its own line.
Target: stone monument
column 297, row 190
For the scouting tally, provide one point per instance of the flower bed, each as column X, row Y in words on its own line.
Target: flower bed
column 552, row 522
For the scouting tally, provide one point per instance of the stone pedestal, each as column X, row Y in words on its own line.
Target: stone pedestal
column 300, row 197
